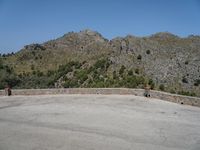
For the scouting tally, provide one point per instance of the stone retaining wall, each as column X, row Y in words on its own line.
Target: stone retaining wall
column 122, row 91
column 194, row 101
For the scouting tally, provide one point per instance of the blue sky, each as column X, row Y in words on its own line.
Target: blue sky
column 24, row 22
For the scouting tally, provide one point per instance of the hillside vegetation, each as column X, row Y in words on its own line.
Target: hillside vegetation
column 86, row 59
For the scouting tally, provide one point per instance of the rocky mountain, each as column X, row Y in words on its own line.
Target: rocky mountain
column 166, row 59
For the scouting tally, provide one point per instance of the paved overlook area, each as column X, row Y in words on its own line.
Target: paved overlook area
column 97, row 122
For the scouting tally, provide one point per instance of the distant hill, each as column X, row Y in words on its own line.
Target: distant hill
column 86, row 59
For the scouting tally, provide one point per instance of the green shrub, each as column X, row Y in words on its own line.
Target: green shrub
column 122, row 69
column 162, row 87
column 39, row 73
column 81, row 75
column 50, row 73
column 139, row 57
column 186, row 62
column 197, row 82
column 32, row 67
column 1, row 64
column 140, row 80
column 137, row 71
column 7, row 76
column 130, row 82
column 130, row 72
column 152, row 84
column 114, row 75
column 148, row 52
column 102, row 64
column 72, row 83
column 184, row 80
column 64, row 69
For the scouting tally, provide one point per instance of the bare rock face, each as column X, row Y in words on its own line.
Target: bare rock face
column 166, row 58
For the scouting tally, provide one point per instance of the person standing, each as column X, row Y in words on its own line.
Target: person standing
column 8, row 91
column 147, row 91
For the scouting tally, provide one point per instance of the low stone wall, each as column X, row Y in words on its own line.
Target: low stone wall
column 107, row 91
column 194, row 101
column 186, row 100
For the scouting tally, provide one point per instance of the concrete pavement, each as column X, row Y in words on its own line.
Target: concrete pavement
column 97, row 122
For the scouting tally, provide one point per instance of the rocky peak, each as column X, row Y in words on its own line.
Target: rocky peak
column 164, row 35
column 87, row 33
column 84, row 35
